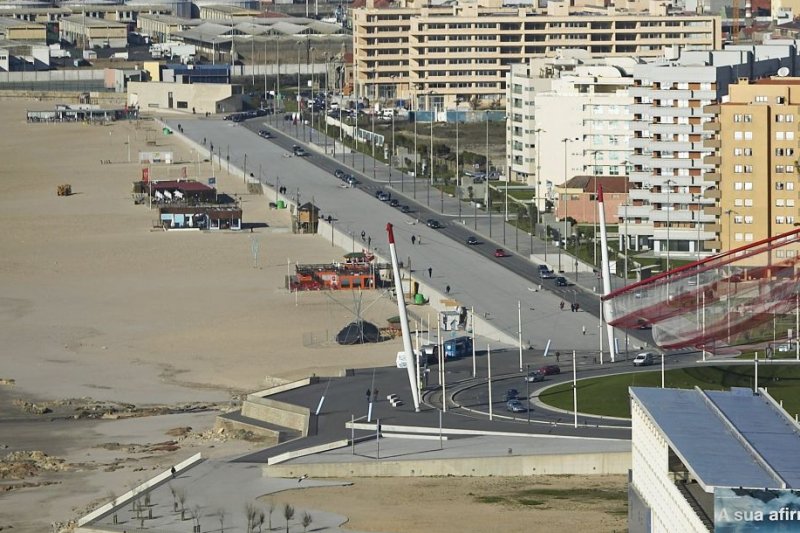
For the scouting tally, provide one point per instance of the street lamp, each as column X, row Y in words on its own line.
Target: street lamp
column 299, row 114
column 538, row 132
column 566, row 141
column 458, row 174
column 669, row 184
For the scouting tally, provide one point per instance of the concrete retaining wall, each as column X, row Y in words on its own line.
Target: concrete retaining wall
column 568, row 464
column 278, row 413
column 119, row 501
column 307, row 451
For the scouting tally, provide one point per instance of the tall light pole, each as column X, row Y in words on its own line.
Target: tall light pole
column 486, row 181
column 594, row 223
column 566, row 141
column 373, row 103
column 458, row 174
column 538, row 132
column 669, row 184
column 299, row 113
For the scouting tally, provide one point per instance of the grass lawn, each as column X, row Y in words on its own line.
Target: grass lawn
column 608, row 396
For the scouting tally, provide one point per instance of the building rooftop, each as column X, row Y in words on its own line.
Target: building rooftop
column 91, row 22
column 610, row 184
column 6, row 22
column 727, row 438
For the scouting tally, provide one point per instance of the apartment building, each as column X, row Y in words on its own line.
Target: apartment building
column 436, row 55
column 572, row 105
column 756, row 158
column 673, row 201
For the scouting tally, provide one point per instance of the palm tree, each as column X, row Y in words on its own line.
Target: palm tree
column 288, row 514
column 306, row 521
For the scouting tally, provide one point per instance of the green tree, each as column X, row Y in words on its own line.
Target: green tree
column 306, row 520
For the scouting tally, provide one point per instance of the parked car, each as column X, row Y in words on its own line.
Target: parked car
column 549, row 370
column 350, row 179
column 515, row 406
column 643, row 359
column 405, row 209
column 547, row 274
column 382, row 196
column 433, row 223
column 265, row 134
column 299, row 151
column 339, row 173
column 511, row 394
column 534, row 377
column 499, row 252
column 472, row 240
column 561, row 281
column 394, row 202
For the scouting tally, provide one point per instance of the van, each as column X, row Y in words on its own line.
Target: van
column 387, row 114
column 458, row 347
column 643, row 359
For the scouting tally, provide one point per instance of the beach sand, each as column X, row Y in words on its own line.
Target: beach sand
column 97, row 305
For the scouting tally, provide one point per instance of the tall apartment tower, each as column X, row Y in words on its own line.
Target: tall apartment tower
column 756, row 148
column 673, row 200
column 568, row 116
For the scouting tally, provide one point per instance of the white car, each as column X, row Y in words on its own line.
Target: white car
column 643, row 359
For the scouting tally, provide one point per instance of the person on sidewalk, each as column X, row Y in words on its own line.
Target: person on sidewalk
column 430, row 272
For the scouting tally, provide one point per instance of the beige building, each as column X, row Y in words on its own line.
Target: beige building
column 756, row 158
column 92, row 32
column 22, row 31
column 42, row 15
column 162, row 27
column 226, row 12
column 189, row 97
column 435, row 55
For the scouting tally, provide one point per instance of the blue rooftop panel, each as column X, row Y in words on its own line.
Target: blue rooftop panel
column 702, row 439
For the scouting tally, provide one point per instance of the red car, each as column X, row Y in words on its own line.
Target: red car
column 549, row 370
column 500, row 253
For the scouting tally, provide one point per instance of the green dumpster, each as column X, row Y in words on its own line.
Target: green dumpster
column 419, row 299
column 281, row 204
column 167, row 131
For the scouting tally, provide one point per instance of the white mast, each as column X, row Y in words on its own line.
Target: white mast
column 605, row 270
column 401, row 309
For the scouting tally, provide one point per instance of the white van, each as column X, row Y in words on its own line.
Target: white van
column 387, row 114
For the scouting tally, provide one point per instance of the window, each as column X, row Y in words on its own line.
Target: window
column 738, row 169
column 779, row 202
column 778, row 185
column 748, row 202
column 779, row 135
column 748, row 135
column 761, row 99
column 790, row 202
column 780, row 169
column 780, row 220
column 748, row 152
column 737, row 236
column 738, row 135
column 737, row 186
column 748, row 219
column 748, row 185
column 789, row 185
column 789, row 135
column 738, row 219
column 790, row 220
column 738, row 202
column 748, row 237
column 790, row 169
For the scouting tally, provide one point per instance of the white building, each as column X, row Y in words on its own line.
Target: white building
column 672, row 203
column 692, row 449
column 568, row 116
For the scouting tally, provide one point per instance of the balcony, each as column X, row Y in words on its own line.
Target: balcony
column 716, row 211
column 715, row 194
column 713, row 245
column 712, row 109
column 711, row 126
column 712, row 143
column 712, row 160
column 635, row 211
column 712, row 177
column 713, row 228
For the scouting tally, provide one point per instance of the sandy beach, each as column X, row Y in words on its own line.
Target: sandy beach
column 100, row 313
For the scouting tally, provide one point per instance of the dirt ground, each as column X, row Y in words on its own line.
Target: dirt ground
column 101, row 317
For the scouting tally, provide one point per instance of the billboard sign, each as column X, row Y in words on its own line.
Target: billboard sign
column 740, row 509
column 155, row 157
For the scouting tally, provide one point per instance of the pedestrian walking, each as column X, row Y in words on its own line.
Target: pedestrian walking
column 369, row 241
column 583, row 330
column 561, row 305
column 375, row 394
column 558, row 357
column 172, row 471
column 363, row 235
column 577, row 307
column 419, row 239
column 430, row 272
column 413, row 240
column 368, row 394
column 447, row 290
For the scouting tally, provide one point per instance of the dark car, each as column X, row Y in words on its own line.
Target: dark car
column 534, row 377
column 405, row 209
column 382, row 196
column 394, row 202
column 433, row 223
column 549, row 370
column 511, row 394
column 547, row 274
column 339, row 173
column 515, row 406
column 350, row 179
column 265, row 134
column 472, row 240
column 561, row 281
